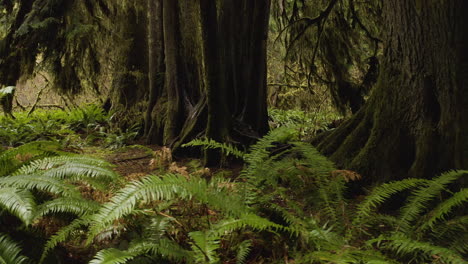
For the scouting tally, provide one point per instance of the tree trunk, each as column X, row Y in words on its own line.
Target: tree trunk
column 156, row 68
column 415, row 123
column 215, row 72
column 130, row 82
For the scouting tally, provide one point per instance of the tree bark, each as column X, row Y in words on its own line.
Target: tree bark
column 130, row 80
column 415, row 122
column 215, row 72
column 156, row 68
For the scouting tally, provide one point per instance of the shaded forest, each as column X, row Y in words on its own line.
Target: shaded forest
column 233, row 131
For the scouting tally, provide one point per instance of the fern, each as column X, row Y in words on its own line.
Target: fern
column 9, row 161
column 166, row 187
column 62, row 235
column 247, row 220
column 163, row 247
column 403, row 245
column 112, row 256
column 225, row 148
column 243, row 252
column 419, row 199
column 39, row 182
column 204, row 246
column 148, row 189
column 19, row 203
column 444, row 208
column 73, row 205
column 379, row 195
column 10, row 251
column 89, row 166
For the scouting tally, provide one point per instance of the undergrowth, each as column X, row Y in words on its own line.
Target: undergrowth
column 288, row 204
column 88, row 125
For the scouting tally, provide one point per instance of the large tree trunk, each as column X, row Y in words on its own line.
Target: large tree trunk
column 156, row 68
column 416, row 121
column 215, row 72
column 130, row 73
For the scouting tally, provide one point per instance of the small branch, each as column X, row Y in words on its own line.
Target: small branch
column 37, row 100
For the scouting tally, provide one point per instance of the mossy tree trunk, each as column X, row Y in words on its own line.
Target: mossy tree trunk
column 215, row 72
column 415, row 122
column 130, row 73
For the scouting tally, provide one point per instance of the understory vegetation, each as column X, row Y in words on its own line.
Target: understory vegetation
column 233, row 132
column 287, row 204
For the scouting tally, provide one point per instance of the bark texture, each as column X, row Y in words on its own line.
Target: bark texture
column 415, row 122
column 214, row 72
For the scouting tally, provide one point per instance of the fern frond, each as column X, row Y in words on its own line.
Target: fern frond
column 403, row 245
column 148, row 189
column 162, row 247
column 41, row 183
column 204, row 246
column 346, row 255
column 62, row 235
column 10, row 251
column 9, row 159
column 419, row 199
column 112, row 256
column 71, row 169
column 379, row 195
column 75, row 205
column 243, row 252
column 56, row 161
column 246, row 220
column 460, row 244
column 259, row 152
column 19, row 203
column 445, row 208
column 208, row 143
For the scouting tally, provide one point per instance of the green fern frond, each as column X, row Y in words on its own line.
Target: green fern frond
column 379, row 195
column 444, row 208
column 460, row 244
column 403, row 245
column 419, row 199
column 167, row 187
column 39, row 182
column 318, row 163
column 207, row 143
column 243, row 251
column 204, row 246
column 75, row 205
column 19, row 203
column 246, row 220
column 70, row 167
column 162, row 247
column 8, row 159
column 112, row 256
column 63, row 234
column 148, row 189
column 259, row 153
column 10, row 251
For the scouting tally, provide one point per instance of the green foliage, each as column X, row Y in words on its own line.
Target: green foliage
column 306, row 123
column 37, row 180
column 88, row 124
column 288, row 200
column 225, row 148
column 10, row 252
column 300, row 189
